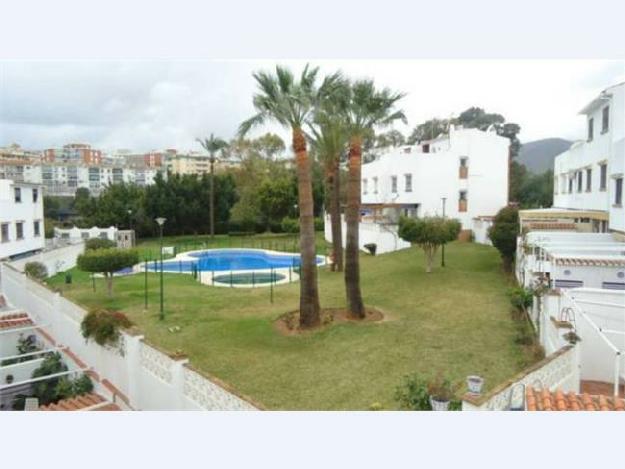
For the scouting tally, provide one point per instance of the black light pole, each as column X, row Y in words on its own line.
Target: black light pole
column 161, row 221
column 443, row 250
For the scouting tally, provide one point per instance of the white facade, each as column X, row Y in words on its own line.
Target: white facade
column 467, row 167
column 589, row 174
column 21, row 218
column 65, row 178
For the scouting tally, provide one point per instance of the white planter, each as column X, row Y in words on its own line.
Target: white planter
column 475, row 383
column 439, row 405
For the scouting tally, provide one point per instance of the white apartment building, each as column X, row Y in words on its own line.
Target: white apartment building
column 64, row 178
column 21, row 218
column 464, row 173
column 588, row 178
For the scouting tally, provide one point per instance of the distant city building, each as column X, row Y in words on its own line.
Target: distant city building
column 73, row 153
column 21, row 218
column 123, row 238
column 194, row 163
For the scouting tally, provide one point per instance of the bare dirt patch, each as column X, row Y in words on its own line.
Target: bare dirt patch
column 288, row 324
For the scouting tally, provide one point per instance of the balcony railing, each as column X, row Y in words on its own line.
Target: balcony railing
column 463, row 172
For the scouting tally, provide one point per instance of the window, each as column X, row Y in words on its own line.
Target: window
column 463, row 195
column 588, row 180
column 462, row 201
column 364, row 186
column 394, row 184
column 36, row 228
column 464, row 168
column 375, row 185
column 19, row 230
column 605, row 119
column 570, row 184
column 18, row 195
column 603, row 168
column 618, row 191
column 591, row 129
column 35, row 196
column 579, row 181
column 4, row 230
column 463, row 161
column 408, row 181
column 555, row 185
column 84, row 235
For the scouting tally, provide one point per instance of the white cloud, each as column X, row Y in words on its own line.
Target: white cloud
column 166, row 104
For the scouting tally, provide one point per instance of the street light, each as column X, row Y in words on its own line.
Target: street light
column 161, row 221
column 444, row 199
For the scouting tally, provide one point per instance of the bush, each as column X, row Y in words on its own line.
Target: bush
column 372, row 248
column 521, row 298
column 413, row 394
column 442, row 389
column 36, row 270
column 107, row 261
column 290, row 225
column 99, row 243
column 103, row 326
column 503, row 234
column 319, row 224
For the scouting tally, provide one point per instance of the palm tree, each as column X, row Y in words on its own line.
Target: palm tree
column 366, row 109
column 329, row 137
column 290, row 102
column 212, row 145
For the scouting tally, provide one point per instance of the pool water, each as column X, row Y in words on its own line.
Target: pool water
column 220, row 260
column 249, row 278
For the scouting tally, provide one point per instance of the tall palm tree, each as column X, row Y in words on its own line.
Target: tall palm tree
column 366, row 109
column 290, row 102
column 329, row 137
column 212, row 145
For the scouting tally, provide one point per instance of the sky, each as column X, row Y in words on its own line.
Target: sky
column 151, row 105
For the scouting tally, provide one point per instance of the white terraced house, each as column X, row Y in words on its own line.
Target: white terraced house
column 588, row 178
column 21, row 219
column 462, row 175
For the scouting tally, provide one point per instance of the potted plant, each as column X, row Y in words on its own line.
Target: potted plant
column 475, row 383
column 441, row 392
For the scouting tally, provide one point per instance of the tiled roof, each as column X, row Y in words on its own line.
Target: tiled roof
column 615, row 261
column 558, row 400
column 15, row 320
column 80, row 403
column 552, row 226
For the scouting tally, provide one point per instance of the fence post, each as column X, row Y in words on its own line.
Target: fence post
column 213, row 278
column 145, row 304
column 231, row 279
column 93, row 281
column 253, row 279
column 271, row 285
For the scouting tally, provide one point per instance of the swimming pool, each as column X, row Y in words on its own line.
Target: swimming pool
column 226, row 260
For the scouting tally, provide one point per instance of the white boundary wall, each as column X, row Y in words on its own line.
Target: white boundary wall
column 56, row 260
column 384, row 236
column 558, row 371
column 141, row 376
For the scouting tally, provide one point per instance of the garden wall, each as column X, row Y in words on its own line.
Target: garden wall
column 558, row 371
column 56, row 260
column 384, row 236
column 136, row 375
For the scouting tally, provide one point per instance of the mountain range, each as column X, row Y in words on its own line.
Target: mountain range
column 538, row 156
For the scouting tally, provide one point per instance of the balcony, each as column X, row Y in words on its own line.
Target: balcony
column 462, row 205
column 463, row 172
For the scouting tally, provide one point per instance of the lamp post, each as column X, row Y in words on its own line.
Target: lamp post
column 444, row 199
column 161, row 221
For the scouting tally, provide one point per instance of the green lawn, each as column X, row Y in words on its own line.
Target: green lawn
column 455, row 320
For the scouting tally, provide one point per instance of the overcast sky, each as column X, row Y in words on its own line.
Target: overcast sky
column 145, row 105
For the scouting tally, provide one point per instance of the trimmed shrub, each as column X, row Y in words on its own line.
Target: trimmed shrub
column 36, row 270
column 107, row 261
column 372, row 248
column 290, row 225
column 99, row 243
column 319, row 224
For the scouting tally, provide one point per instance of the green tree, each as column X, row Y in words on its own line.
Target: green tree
column 276, row 199
column 269, row 145
column 212, row 145
column 429, row 233
column 392, row 138
column 107, row 261
column 503, row 234
column 364, row 108
column 428, row 130
column 290, row 102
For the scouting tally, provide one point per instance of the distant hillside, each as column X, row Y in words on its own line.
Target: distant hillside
column 538, row 156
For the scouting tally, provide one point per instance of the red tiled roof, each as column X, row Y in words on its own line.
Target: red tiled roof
column 560, row 401
column 15, row 320
column 80, row 403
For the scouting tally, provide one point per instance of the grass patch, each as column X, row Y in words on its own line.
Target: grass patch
column 455, row 320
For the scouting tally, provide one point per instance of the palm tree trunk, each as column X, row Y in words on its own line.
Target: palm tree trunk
column 212, row 197
column 335, row 218
column 352, row 219
column 309, row 293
